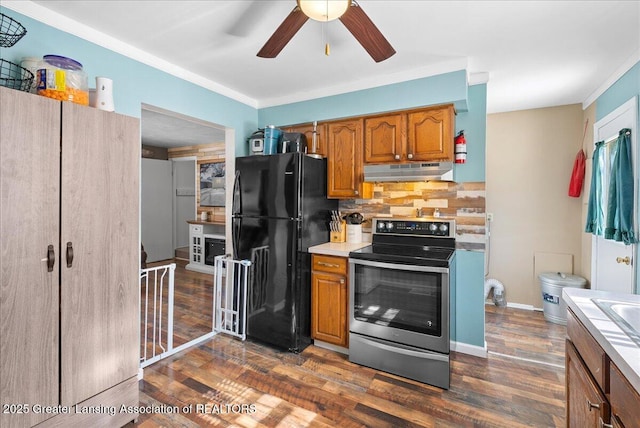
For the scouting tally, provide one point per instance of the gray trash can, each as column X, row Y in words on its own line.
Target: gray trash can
column 552, row 283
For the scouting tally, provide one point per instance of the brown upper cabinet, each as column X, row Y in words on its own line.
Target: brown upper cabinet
column 422, row 135
column 344, row 163
column 307, row 130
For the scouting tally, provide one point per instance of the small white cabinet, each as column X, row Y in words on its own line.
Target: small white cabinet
column 203, row 235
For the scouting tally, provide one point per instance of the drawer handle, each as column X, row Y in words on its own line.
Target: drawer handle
column 625, row 260
column 325, row 264
column 591, row 405
column 603, row 425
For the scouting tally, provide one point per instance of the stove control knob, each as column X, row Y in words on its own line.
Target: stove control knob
column 433, row 227
column 443, row 227
column 381, row 225
column 389, row 226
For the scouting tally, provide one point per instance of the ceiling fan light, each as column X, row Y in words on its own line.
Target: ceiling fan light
column 324, row 10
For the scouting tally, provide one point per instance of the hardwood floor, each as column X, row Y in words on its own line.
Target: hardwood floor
column 226, row 382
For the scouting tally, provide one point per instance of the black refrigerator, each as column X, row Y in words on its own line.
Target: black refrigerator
column 280, row 209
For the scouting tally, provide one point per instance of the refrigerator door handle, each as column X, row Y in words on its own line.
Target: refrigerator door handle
column 236, row 225
column 236, row 207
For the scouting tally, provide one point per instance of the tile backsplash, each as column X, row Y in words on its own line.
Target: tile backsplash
column 464, row 202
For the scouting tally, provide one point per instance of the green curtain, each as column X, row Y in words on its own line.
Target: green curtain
column 619, row 223
column 595, row 214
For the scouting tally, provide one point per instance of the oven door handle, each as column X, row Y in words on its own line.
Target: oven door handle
column 399, row 266
column 399, row 349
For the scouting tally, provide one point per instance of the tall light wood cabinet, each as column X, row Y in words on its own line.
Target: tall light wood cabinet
column 69, row 317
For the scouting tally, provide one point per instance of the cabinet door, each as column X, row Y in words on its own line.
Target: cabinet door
column 29, row 224
column 329, row 308
column 321, row 138
column 344, row 164
column 100, row 260
column 625, row 401
column 430, row 134
column 586, row 405
column 385, row 139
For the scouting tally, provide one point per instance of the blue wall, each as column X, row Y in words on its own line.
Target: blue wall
column 134, row 83
column 624, row 88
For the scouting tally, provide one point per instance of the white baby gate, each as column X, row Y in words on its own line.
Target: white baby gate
column 230, row 295
column 157, row 307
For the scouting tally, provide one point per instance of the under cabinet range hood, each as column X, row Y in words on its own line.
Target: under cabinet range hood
column 409, row 172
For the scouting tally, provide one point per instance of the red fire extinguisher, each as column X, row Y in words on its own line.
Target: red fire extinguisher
column 461, row 147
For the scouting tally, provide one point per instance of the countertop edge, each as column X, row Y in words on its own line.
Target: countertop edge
column 339, row 249
column 626, row 358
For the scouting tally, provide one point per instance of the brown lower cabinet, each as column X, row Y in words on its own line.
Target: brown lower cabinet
column 598, row 395
column 329, row 299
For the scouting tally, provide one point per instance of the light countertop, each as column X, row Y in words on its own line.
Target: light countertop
column 340, row 249
column 624, row 353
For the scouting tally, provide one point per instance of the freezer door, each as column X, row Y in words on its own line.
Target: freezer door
column 267, row 186
column 274, row 301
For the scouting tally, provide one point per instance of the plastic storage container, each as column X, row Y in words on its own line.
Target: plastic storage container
column 552, row 283
column 63, row 79
column 271, row 139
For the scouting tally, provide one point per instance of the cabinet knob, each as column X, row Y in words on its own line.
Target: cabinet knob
column 397, row 157
column 410, row 156
column 342, row 281
column 356, row 192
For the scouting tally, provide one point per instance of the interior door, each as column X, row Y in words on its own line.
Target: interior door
column 101, row 251
column 184, row 183
column 613, row 263
column 29, row 224
column 157, row 209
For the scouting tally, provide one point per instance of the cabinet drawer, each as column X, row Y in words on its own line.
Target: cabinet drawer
column 196, row 229
column 625, row 400
column 593, row 355
column 332, row 264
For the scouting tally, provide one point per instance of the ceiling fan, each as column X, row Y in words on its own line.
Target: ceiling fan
column 350, row 14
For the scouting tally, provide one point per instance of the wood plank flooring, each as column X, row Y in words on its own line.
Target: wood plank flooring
column 244, row 384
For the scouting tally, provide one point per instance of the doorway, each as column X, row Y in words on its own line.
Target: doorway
column 613, row 265
column 172, row 144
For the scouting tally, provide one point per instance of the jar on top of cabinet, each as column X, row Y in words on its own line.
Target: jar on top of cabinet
column 63, row 79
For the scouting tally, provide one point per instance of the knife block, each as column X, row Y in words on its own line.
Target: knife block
column 339, row 236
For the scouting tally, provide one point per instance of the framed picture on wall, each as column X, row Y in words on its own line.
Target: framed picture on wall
column 212, row 188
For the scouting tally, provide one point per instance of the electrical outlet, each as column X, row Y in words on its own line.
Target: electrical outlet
column 489, row 216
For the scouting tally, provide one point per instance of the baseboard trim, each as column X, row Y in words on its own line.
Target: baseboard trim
column 330, row 347
column 516, row 306
column 465, row 348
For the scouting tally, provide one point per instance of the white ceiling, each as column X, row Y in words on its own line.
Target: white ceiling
column 535, row 53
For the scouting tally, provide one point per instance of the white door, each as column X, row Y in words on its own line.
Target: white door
column 184, row 183
column 157, row 209
column 613, row 263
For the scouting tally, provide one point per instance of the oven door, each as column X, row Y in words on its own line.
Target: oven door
column 400, row 303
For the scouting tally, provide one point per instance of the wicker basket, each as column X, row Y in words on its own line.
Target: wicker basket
column 10, row 31
column 15, row 77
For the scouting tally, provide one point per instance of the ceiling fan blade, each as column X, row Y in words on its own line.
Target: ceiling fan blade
column 285, row 32
column 366, row 32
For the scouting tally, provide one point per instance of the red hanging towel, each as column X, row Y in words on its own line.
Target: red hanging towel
column 577, row 176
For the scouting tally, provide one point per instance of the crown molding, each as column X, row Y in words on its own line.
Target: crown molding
column 626, row 66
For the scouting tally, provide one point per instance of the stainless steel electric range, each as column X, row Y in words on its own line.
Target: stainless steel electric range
column 399, row 298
